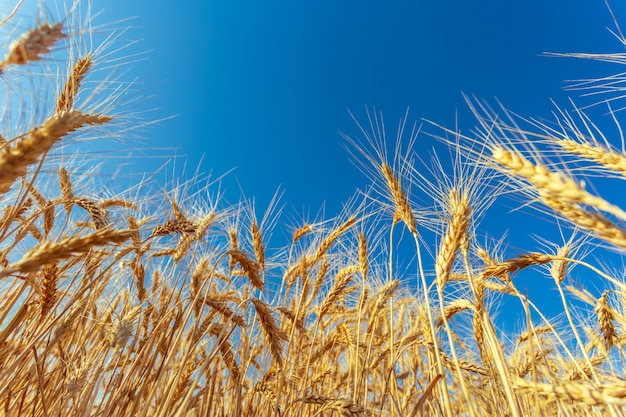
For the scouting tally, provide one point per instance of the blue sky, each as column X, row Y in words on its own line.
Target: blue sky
column 264, row 88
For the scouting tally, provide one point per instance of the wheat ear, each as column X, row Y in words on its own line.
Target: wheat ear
column 553, row 185
column 50, row 252
column 274, row 334
column 612, row 160
column 15, row 159
column 70, row 90
column 33, row 44
column 403, row 209
column 459, row 221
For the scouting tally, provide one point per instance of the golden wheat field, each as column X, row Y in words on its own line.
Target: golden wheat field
column 130, row 303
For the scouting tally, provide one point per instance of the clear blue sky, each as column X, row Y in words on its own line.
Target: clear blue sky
column 264, row 86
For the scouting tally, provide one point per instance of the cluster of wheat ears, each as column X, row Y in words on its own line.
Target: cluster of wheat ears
column 143, row 304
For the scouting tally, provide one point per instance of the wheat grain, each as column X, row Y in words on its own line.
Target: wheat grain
column 121, row 330
column 591, row 221
column 174, row 226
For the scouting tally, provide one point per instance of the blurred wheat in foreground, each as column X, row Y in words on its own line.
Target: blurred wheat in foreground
column 110, row 308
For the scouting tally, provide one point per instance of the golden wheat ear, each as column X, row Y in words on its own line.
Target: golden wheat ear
column 33, row 44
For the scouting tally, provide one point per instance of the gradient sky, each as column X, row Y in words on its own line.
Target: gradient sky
column 264, row 86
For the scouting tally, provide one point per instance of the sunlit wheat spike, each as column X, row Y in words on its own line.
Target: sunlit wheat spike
column 178, row 214
column 558, row 268
column 139, row 272
column 174, row 226
column 67, row 190
column 459, row 211
column 67, row 97
column 384, row 294
column 234, row 245
column 184, row 380
column 15, row 159
column 298, row 234
column 453, row 308
column 204, row 224
column 610, row 159
column 342, row 281
column 343, row 407
column 49, row 278
column 49, row 216
column 250, row 267
column 363, row 261
column 529, row 362
column 319, row 279
column 515, row 264
column 554, row 185
column 99, row 215
column 197, row 281
column 51, row 252
column 117, row 202
column 583, row 370
column 527, row 334
column 403, row 208
column 606, row 315
column 332, row 237
column 275, row 335
column 33, row 44
column 593, row 222
column 583, row 393
column 257, row 244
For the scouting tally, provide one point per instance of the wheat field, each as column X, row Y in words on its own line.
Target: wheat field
column 135, row 303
